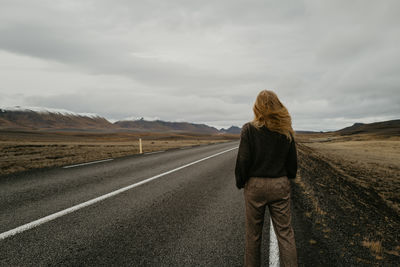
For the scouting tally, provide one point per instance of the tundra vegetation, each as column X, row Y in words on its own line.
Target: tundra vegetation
column 348, row 190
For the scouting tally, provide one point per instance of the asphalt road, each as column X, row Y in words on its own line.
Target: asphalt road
column 191, row 217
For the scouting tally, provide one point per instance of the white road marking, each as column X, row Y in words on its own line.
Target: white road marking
column 53, row 216
column 273, row 247
column 86, row 163
column 186, row 147
column 154, row 152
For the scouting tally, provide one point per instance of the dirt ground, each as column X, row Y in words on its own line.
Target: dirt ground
column 21, row 151
column 348, row 190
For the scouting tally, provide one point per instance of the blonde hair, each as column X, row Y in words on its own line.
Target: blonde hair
column 269, row 111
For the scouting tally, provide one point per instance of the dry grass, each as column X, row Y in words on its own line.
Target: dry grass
column 380, row 153
column 312, row 242
column 309, row 193
column 370, row 160
column 395, row 252
column 375, row 247
column 366, row 170
column 329, row 137
column 24, row 151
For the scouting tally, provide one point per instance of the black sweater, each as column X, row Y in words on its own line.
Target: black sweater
column 264, row 153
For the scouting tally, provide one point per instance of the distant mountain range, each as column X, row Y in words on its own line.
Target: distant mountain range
column 18, row 118
column 44, row 119
column 385, row 128
column 389, row 128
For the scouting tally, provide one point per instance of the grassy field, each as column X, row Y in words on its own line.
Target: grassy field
column 349, row 188
column 21, row 151
column 371, row 161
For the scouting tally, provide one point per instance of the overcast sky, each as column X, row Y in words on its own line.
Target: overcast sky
column 332, row 63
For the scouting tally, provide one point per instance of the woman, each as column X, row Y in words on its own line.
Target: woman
column 266, row 160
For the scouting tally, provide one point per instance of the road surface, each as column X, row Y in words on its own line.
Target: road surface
column 190, row 217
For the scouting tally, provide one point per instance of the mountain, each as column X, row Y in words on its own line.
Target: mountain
column 45, row 119
column 304, row 132
column 50, row 119
column 391, row 127
column 165, row 126
column 231, row 130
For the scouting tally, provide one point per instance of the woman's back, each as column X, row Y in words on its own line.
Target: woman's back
column 264, row 153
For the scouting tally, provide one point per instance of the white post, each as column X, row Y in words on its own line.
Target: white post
column 140, row 146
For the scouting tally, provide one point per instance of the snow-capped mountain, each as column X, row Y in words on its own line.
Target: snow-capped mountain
column 47, row 118
column 39, row 118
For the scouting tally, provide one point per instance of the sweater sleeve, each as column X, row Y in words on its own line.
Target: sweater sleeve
column 291, row 161
column 243, row 159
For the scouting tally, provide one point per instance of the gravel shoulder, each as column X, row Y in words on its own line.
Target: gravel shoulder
column 349, row 222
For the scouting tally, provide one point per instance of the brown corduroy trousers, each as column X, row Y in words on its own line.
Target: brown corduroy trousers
column 274, row 193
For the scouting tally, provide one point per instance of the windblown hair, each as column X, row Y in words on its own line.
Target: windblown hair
column 269, row 111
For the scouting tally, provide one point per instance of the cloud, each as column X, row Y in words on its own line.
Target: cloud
column 331, row 62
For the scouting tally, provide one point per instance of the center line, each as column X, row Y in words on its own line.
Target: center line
column 273, row 247
column 56, row 215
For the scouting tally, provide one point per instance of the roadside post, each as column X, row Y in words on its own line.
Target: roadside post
column 140, row 146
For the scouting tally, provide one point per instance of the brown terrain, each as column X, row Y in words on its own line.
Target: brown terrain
column 348, row 193
column 24, row 150
column 32, row 139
